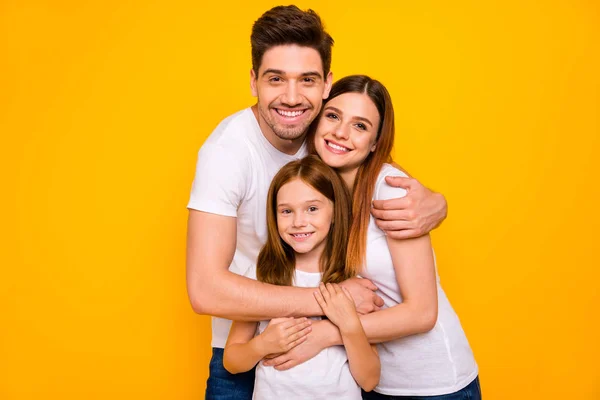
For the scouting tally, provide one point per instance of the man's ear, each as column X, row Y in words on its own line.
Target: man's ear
column 328, row 83
column 253, row 83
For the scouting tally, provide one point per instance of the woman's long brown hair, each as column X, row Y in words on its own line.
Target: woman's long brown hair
column 277, row 260
column 366, row 177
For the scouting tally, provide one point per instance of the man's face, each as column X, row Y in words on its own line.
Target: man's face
column 290, row 87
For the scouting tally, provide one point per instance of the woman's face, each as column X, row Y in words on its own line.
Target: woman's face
column 347, row 131
column 303, row 216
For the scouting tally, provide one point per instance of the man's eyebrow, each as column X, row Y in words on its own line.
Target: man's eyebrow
column 337, row 110
column 273, row 71
column 312, row 73
column 280, row 72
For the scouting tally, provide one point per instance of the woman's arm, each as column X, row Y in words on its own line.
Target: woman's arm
column 415, row 274
column 243, row 350
column 363, row 360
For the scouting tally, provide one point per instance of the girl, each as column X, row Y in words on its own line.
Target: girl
column 423, row 349
column 308, row 217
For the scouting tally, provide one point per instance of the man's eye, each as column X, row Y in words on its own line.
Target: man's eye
column 275, row 79
column 309, row 80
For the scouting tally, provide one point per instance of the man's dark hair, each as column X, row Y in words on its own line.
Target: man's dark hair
column 284, row 25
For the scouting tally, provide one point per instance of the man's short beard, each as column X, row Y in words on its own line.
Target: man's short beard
column 289, row 133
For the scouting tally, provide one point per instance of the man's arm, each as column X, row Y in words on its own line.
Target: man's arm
column 214, row 290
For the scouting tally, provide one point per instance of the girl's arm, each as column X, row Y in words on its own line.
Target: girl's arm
column 363, row 360
column 243, row 350
column 415, row 274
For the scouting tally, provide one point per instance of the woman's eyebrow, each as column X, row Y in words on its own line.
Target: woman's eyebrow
column 364, row 120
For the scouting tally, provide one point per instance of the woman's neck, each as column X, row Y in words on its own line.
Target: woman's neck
column 349, row 177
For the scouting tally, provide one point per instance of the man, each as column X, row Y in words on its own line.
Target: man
column 290, row 76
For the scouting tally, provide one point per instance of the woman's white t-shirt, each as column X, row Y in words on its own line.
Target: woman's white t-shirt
column 428, row 364
column 325, row 376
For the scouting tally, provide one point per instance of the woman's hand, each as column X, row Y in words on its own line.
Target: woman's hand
column 283, row 334
column 337, row 304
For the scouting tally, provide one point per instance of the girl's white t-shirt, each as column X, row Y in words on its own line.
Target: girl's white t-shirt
column 325, row 376
column 428, row 364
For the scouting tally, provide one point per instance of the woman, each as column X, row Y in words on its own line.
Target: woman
column 423, row 350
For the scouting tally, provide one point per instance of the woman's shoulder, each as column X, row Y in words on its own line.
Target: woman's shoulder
column 390, row 170
column 383, row 191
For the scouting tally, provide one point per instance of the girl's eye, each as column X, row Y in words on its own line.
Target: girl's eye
column 312, row 209
column 285, row 211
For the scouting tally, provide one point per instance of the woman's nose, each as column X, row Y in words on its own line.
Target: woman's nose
column 341, row 132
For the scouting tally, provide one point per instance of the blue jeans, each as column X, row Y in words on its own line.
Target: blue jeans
column 471, row 392
column 221, row 385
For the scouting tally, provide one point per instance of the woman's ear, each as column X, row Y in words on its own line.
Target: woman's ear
column 373, row 147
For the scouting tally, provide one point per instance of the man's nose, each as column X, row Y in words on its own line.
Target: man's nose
column 291, row 97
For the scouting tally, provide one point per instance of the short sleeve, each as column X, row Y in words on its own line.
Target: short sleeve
column 219, row 183
column 383, row 191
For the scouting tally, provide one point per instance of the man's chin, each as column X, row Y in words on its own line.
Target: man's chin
column 290, row 134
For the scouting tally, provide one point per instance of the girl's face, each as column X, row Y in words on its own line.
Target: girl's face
column 304, row 216
column 347, row 131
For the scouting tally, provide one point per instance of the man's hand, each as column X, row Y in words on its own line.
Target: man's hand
column 337, row 304
column 315, row 342
column 283, row 334
column 414, row 215
column 363, row 293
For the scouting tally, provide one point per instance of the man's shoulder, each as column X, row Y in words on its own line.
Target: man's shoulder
column 233, row 131
column 231, row 141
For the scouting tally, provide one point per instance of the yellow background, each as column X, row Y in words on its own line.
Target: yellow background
column 103, row 106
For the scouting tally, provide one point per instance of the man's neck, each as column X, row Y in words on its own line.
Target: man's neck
column 289, row 147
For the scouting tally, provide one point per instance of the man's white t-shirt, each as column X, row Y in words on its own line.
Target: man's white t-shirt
column 234, row 171
column 428, row 364
column 323, row 377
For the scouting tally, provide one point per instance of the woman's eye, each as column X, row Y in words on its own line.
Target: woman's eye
column 312, row 209
column 285, row 211
column 331, row 115
column 361, row 126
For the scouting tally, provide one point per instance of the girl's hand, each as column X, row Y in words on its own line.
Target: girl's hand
column 283, row 334
column 337, row 304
